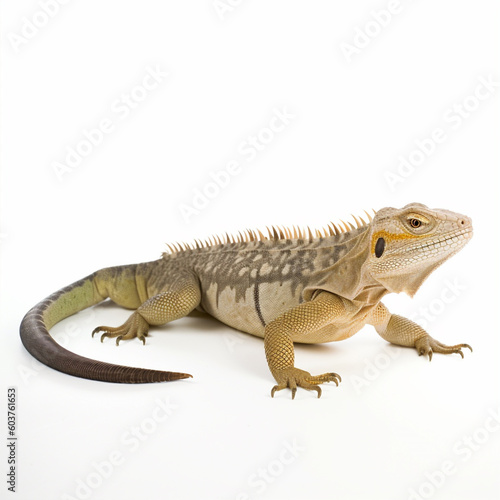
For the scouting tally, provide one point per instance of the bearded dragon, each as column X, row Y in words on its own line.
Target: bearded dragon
column 291, row 286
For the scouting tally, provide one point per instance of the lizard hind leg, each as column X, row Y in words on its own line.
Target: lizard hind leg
column 169, row 305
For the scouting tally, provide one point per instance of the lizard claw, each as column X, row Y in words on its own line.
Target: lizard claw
column 135, row 326
column 293, row 377
column 428, row 345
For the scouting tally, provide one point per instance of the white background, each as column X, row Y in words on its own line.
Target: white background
column 396, row 420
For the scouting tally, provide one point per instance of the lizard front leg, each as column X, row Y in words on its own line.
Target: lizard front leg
column 401, row 331
column 278, row 342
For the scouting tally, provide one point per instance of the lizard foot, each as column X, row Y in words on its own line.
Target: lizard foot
column 135, row 326
column 428, row 345
column 293, row 378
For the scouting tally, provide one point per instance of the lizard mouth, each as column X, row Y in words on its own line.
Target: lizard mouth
column 448, row 243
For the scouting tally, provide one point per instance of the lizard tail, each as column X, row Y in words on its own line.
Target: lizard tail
column 35, row 336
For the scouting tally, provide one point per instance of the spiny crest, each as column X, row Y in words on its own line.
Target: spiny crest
column 274, row 233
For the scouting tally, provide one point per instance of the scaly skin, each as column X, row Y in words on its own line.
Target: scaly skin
column 286, row 288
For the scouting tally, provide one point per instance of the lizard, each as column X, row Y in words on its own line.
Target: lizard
column 291, row 286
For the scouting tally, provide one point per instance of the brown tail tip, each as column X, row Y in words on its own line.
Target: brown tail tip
column 140, row 376
column 179, row 376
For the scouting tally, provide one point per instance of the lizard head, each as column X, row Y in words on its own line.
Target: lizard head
column 407, row 244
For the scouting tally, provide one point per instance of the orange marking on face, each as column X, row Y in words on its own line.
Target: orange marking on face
column 388, row 237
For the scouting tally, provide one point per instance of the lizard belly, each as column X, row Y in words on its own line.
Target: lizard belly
column 250, row 313
column 263, row 302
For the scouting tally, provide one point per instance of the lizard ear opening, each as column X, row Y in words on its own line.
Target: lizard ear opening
column 379, row 247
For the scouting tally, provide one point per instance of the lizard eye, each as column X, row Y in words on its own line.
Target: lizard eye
column 415, row 223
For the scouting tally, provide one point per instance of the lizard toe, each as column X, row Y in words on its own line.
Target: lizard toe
column 446, row 349
column 325, row 377
column 277, row 388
